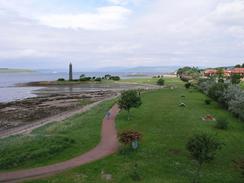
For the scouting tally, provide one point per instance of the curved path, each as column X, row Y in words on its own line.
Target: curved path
column 108, row 145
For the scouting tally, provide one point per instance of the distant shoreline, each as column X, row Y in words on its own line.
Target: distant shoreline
column 8, row 70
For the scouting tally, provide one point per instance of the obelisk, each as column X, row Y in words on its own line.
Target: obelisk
column 70, row 72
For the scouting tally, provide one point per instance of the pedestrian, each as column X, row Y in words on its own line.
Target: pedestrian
column 108, row 114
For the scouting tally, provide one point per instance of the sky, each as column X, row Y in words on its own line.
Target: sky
column 92, row 34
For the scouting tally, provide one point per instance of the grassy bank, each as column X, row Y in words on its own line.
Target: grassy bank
column 162, row 157
column 55, row 142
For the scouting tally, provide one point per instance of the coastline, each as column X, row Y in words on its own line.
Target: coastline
column 57, row 99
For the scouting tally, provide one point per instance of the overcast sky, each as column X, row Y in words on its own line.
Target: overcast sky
column 127, row 33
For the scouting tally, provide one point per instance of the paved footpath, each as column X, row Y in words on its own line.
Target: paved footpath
column 107, row 146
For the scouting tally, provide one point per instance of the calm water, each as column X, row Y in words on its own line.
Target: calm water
column 9, row 92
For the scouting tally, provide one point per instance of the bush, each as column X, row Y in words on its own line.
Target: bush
column 115, row 78
column 85, row 78
column 229, row 95
column 160, row 82
column 98, row 79
column 235, row 78
column 187, row 85
column 217, row 91
column 203, row 148
column 61, row 79
column 222, row 124
column 208, row 101
column 128, row 136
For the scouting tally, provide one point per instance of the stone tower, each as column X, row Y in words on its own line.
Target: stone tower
column 70, row 72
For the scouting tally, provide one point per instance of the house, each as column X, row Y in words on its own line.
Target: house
column 238, row 71
column 211, row 72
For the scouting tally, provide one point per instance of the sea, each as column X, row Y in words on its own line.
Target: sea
column 10, row 92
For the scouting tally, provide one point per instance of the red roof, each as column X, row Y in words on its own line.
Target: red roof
column 237, row 71
column 210, row 71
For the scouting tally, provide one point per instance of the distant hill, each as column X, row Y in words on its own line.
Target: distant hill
column 143, row 69
column 8, row 70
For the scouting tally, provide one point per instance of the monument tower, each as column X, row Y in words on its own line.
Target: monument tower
column 70, row 72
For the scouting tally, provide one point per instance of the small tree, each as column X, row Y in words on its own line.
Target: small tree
column 235, row 78
column 128, row 100
column 160, row 82
column 203, row 148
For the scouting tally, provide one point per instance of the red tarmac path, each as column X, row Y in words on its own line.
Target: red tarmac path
column 107, row 146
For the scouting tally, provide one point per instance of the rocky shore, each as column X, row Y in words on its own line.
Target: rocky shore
column 30, row 110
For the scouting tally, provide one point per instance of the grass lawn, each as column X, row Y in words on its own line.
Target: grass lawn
column 54, row 142
column 168, row 80
column 162, row 157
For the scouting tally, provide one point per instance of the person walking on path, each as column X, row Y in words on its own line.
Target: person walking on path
column 108, row 114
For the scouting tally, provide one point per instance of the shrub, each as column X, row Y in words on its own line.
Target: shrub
column 98, row 79
column 203, row 148
column 61, row 79
column 217, row 91
column 208, row 101
column 187, row 85
column 235, row 78
column 160, row 82
column 222, row 124
column 128, row 137
column 85, row 78
column 236, row 106
column 115, row 78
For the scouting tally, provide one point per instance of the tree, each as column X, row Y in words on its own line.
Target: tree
column 129, row 99
column 188, row 73
column 160, row 82
column 235, row 78
column 238, row 66
column 203, row 149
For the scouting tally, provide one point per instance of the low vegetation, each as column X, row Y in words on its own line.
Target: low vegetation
column 222, row 124
column 228, row 95
column 161, row 82
column 163, row 156
column 55, row 142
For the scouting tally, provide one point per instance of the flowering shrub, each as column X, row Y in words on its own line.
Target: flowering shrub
column 128, row 136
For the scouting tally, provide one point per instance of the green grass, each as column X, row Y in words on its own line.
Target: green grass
column 162, row 157
column 55, row 142
column 168, row 80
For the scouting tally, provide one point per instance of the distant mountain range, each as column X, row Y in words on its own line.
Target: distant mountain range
column 143, row 69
